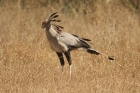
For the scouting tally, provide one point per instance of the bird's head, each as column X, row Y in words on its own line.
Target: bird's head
column 45, row 24
column 53, row 17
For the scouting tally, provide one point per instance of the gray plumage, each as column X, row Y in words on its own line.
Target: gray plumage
column 63, row 42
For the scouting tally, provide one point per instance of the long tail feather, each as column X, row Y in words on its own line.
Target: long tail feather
column 109, row 57
column 92, row 51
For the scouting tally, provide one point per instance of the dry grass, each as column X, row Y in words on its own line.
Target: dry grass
column 27, row 64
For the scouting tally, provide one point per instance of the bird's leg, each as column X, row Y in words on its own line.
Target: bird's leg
column 70, row 69
column 62, row 69
column 68, row 56
column 60, row 55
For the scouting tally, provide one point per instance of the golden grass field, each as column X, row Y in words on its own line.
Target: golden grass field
column 28, row 65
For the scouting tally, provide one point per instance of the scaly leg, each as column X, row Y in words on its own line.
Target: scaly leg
column 60, row 55
column 68, row 56
column 70, row 69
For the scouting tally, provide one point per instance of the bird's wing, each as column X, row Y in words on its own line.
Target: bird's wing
column 71, row 41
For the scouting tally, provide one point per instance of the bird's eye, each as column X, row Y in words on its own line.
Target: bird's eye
column 44, row 24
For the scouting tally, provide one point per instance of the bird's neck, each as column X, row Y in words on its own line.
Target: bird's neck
column 50, row 31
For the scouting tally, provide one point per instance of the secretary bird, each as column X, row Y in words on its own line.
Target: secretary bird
column 63, row 42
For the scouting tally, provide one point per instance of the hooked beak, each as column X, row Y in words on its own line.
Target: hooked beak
column 42, row 27
column 44, row 24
